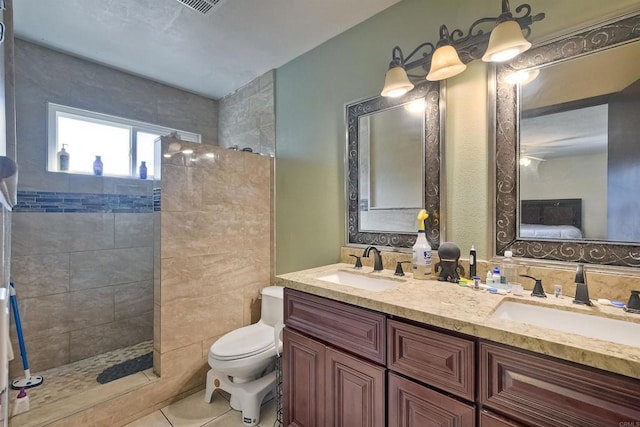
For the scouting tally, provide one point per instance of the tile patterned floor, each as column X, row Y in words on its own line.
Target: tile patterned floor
column 77, row 377
column 193, row 411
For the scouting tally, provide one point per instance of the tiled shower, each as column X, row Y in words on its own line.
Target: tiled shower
column 83, row 268
column 82, row 245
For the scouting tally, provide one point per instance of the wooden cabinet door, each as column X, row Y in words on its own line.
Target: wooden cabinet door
column 354, row 391
column 489, row 419
column 413, row 405
column 303, row 380
column 542, row 392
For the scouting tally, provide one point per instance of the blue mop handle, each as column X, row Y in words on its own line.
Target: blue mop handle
column 16, row 318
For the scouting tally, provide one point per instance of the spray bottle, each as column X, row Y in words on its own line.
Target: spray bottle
column 422, row 251
column 21, row 403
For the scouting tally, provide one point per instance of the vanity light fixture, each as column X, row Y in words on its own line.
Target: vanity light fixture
column 453, row 50
column 445, row 61
column 396, row 81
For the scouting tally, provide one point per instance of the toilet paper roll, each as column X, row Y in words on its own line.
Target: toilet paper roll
column 8, row 182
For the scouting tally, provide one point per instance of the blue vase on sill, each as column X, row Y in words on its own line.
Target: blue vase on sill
column 143, row 170
column 97, row 166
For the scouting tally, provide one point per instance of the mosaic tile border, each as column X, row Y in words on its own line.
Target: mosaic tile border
column 46, row 201
column 156, row 199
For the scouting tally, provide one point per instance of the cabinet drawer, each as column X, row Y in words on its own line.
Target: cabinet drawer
column 354, row 329
column 539, row 391
column 488, row 419
column 413, row 405
column 432, row 357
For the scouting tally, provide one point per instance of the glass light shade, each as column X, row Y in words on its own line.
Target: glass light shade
column 445, row 63
column 506, row 42
column 396, row 82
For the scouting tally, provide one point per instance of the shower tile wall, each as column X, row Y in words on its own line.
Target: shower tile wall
column 216, row 247
column 247, row 116
column 84, row 282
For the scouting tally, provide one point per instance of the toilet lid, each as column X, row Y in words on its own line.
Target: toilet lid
column 244, row 342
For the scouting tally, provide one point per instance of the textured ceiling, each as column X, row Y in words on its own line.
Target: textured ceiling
column 212, row 54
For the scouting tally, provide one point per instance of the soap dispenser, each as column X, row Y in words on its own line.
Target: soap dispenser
column 63, row 159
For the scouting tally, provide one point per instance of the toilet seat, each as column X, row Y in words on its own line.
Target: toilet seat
column 243, row 342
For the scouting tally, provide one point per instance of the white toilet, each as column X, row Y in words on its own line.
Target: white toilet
column 243, row 361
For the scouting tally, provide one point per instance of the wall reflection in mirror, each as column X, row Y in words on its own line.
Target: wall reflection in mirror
column 393, row 167
column 390, row 165
column 579, row 158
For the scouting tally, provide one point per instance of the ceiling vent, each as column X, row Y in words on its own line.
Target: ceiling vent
column 202, row 6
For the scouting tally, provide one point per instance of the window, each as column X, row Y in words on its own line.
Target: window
column 122, row 144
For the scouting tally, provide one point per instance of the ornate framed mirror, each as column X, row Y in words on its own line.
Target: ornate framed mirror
column 567, row 148
column 393, row 167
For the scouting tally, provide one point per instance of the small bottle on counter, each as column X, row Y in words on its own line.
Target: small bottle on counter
column 476, row 283
column 97, row 166
column 508, row 270
column 489, row 281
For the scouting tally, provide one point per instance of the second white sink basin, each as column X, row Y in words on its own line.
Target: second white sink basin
column 360, row 281
column 613, row 330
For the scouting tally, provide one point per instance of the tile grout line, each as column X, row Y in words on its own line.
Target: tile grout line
column 165, row 417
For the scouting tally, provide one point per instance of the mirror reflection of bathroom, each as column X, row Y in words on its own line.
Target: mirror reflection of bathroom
column 576, row 118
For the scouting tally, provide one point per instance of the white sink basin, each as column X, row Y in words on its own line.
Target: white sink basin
column 613, row 330
column 373, row 284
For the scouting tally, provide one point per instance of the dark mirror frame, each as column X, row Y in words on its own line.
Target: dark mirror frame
column 603, row 36
column 432, row 94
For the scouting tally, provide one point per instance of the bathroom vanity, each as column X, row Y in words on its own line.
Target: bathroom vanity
column 430, row 353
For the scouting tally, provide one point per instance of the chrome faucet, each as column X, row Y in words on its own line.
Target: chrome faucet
column 582, row 291
column 377, row 264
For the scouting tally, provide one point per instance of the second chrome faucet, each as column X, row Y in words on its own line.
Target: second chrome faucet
column 582, row 291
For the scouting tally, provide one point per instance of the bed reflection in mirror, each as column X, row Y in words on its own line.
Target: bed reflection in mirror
column 579, row 150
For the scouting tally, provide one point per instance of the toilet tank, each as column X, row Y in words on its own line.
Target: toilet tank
column 272, row 305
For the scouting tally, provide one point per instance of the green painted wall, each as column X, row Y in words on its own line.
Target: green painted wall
column 312, row 90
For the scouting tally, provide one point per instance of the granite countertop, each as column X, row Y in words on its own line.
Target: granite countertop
column 461, row 309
